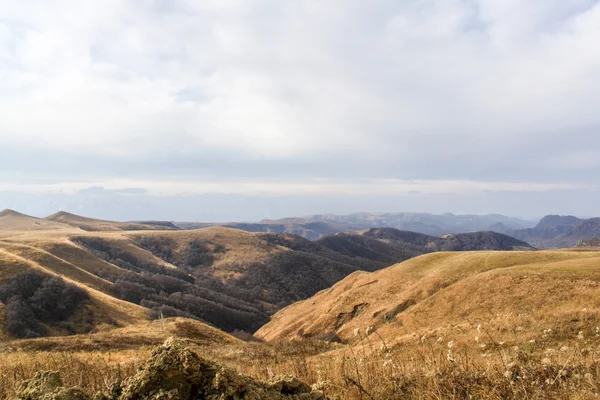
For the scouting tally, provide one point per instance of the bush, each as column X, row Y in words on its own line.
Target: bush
column 20, row 320
column 33, row 298
column 55, row 300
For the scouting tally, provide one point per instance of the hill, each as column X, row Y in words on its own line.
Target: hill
column 449, row 294
column 229, row 278
column 388, row 245
column 14, row 221
column 93, row 225
column 555, row 231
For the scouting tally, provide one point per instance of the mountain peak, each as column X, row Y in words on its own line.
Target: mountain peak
column 12, row 213
column 552, row 221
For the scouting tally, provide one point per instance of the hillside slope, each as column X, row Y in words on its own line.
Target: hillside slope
column 14, row 221
column 229, row 278
column 389, row 245
column 448, row 294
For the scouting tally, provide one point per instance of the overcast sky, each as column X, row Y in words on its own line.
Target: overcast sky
column 249, row 109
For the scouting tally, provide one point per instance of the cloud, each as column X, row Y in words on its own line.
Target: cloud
column 132, row 190
column 278, row 187
column 268, row 93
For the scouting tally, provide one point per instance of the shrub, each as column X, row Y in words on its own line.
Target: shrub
column 33, row 298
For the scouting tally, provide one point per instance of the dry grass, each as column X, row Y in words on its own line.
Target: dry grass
column 95, row 361
column 441, row 368
column 14, row 221
column 93, row 371
column 429, row 368
column 242, row 248
column 444, row 290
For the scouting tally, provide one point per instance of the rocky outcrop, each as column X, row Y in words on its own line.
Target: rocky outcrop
column 47, row 385
column 595, row 242
column 176, row 373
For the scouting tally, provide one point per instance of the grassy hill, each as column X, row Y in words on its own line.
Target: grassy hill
column 14, row 221
column 93, row 225
column 229, row 278
column 447, row 294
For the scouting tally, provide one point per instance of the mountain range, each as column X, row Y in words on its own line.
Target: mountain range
column 552, row 231
column 315, row 226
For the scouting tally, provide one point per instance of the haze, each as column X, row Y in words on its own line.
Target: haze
column 242, row 110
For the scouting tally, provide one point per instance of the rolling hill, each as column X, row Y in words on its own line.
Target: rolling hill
column 14, row 221
column 93, row 225
column 229, row 278
column 388, row 245
column 455, row 295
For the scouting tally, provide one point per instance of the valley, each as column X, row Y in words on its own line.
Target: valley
column 365, row 314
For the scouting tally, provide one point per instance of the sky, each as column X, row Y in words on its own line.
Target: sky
column 226, row 110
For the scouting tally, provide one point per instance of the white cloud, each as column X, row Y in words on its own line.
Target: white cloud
column 288, row 78
column 405, row 89
column 271, row 187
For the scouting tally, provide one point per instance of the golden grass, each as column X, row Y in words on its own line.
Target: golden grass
column 94, row 361
column 14, row 221
column 60, row 267
column 75, row 255
column 93, row 371
column 428, row 368
column 442, row 289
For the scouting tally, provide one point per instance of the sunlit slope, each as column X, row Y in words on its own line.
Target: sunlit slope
column 505, row 292
column 111, row 318
column 229, row 278
column 93, row 225
column 102, row 306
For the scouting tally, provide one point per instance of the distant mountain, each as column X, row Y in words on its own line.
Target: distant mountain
column 554, row 231
column 431, row 224
column 389, row 245
column 557, row 221
column 310, row 230
column 315, row 226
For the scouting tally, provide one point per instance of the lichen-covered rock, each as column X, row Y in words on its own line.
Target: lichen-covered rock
column 176, row 373
column 47, row 385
